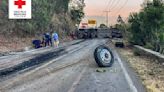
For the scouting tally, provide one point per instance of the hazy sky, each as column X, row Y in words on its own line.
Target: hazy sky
column 94, row 9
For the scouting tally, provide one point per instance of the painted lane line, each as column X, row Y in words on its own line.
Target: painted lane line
column 129, row 80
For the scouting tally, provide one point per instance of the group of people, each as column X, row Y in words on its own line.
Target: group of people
column 50, row 40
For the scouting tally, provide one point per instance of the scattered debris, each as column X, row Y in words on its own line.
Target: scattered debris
column 101, row 70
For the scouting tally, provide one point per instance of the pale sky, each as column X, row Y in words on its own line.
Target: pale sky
column 94, row 9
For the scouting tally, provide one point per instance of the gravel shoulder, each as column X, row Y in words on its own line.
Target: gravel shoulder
column 150, row 72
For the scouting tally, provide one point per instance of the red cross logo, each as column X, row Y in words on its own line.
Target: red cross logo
column 20, row 3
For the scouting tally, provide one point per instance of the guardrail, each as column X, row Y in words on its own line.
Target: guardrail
column 150, row 53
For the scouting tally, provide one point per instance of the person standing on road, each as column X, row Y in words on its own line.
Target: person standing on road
column 56, row 39
column 44, row 40
column 48, row 39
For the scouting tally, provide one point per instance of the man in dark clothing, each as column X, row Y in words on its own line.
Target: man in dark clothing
column 44, row 40
column 48, row 39
column 37, row 44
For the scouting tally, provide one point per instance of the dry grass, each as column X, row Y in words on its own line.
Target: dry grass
column 19, row 44
column 151, row 73
column 13, row 44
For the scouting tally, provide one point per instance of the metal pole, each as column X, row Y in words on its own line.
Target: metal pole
column 107, row 16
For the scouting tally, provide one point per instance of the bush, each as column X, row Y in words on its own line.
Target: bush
column 136, row 52
column 149, row 46
column 147, row 26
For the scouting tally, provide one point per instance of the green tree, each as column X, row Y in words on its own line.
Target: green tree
column 76, row 10
column 43, row 12
column 147, row 26
column 77, row 15
column 103, row 26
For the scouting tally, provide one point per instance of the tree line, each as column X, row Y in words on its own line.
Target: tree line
column 146, row 28
column 44, row 13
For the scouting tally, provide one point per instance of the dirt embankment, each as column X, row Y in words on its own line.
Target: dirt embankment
column 13, row 44
column 148, row 69
column 8, row 44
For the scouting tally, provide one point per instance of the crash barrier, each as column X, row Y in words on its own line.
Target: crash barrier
column 149, row 53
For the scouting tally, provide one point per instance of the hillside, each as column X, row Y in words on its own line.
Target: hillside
column 47, row 16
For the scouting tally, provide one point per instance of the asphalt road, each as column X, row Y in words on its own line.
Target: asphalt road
column 73, row 70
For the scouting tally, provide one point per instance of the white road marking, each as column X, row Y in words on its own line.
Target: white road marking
column 129, row 80
column 72, row 89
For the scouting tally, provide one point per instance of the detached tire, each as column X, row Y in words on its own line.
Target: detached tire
column 103, row 56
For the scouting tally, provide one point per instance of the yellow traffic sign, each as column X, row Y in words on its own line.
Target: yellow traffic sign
column 92, row 22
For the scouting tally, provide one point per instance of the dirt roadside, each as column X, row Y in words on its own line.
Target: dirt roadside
column 150, row 72
column 16, row 44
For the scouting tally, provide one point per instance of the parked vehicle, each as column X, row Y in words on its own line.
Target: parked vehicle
column 116, row 33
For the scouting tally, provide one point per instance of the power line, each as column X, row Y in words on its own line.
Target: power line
column 115, row 5
column 107, row 10
column 121, row 7
column 109, row 3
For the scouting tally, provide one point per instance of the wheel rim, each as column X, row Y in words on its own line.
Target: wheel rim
column 105, row 56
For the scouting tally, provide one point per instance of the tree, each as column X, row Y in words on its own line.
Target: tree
column 147, row 26
column 76, row 10
column 103, row 26
column 122, row 26
column 136, row 36
column 77, row 15
column 43, row 12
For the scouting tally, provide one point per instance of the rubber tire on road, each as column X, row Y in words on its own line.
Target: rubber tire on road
column 98, row 59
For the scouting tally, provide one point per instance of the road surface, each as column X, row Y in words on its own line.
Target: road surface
column 70, row 68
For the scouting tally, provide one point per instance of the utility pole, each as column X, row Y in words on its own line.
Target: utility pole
column 107, row 21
